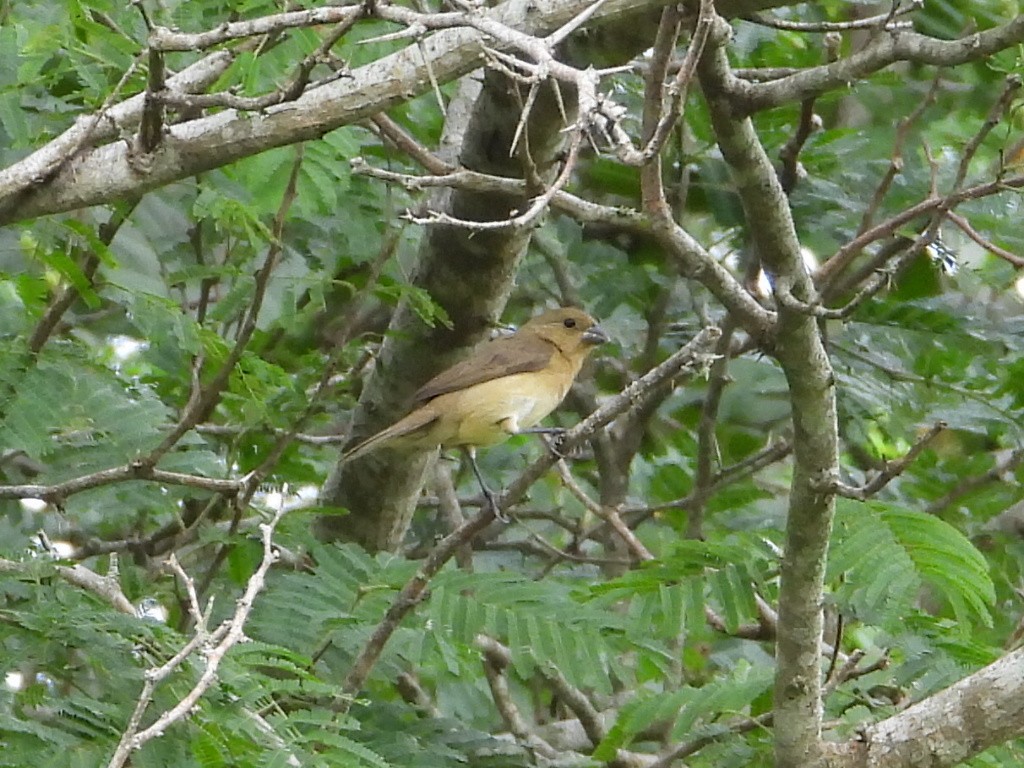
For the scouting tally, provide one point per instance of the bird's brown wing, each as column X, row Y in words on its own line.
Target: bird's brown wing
column 419, row 420
column 497, row 358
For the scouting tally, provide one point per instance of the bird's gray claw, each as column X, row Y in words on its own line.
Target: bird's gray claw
column 554, row 441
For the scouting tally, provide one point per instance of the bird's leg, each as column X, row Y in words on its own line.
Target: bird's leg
column 491, row 496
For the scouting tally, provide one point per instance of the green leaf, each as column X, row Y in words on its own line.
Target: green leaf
column 639, row 715
column 885, row 553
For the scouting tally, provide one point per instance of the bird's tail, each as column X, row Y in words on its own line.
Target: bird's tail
column 401, row 434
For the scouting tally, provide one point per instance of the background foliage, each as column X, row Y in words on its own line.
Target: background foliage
column 923, row 582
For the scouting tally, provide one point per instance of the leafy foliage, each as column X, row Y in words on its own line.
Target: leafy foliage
column 886, row 556
column 924, row 580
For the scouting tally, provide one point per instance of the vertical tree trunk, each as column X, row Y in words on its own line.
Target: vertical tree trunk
column 470, row 275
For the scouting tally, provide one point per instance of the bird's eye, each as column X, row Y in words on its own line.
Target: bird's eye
column 569, row 322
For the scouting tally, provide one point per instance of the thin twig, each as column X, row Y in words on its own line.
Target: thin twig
column 687, row 748
column 229, row 430
column 890, row 471
column 965, row 227
column 538, row 546
column 707, row 443
column 298, row 84
column 214, row 648
column 496, row 660
column 970, row 484
column 880, row 21
column 451, row 511
column 608, row 514
column 410, row 145
column 538, row 206
column 405, row 601
column 199, row 618
column 1011, row 85
column 896, row 158
column 163, row 39
column 56, row 493
column 577, row 701
column 672, row 111
column 789, row 174
column 70, row 293
column 203, row 398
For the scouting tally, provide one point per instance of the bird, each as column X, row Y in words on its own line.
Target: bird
column 504, row 388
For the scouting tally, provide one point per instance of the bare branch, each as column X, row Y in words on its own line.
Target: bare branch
column 880, row 21
column 890, row 471
column 199, row 618
column 105, row 587
column 105, row 124
column 538, row 206
column 214, row 648
column 166, row 40
column 608, row 514
column 707, row 444
column 1011, row 85
column 67, row 295
column 977, row 712
column 293, row 89
column 577, row 701
column 896, row 159
column 496, row 660
column 880, row 52
column 55, row 494
column 965, row 226
column 671, row 111
column 204, row 398
column 789, row 175
column 845, row 255
column 226, row 430
column 451, row 511
column 970, row 484
column 687, row 748
column 407, row 143
column 572, row 205
column 405, row 601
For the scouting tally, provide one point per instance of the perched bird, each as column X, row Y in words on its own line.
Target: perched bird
column 503, row 388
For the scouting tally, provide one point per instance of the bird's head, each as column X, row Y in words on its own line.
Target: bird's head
column 570, row 329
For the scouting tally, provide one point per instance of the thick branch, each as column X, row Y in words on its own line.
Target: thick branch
column 110, row 172
column 948, row 728
column 89, row 130
column 885, row 49
column 801, row 354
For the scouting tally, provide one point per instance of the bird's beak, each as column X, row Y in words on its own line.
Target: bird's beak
column 595, row 335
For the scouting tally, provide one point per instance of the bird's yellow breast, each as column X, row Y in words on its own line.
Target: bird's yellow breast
column 489, row 412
